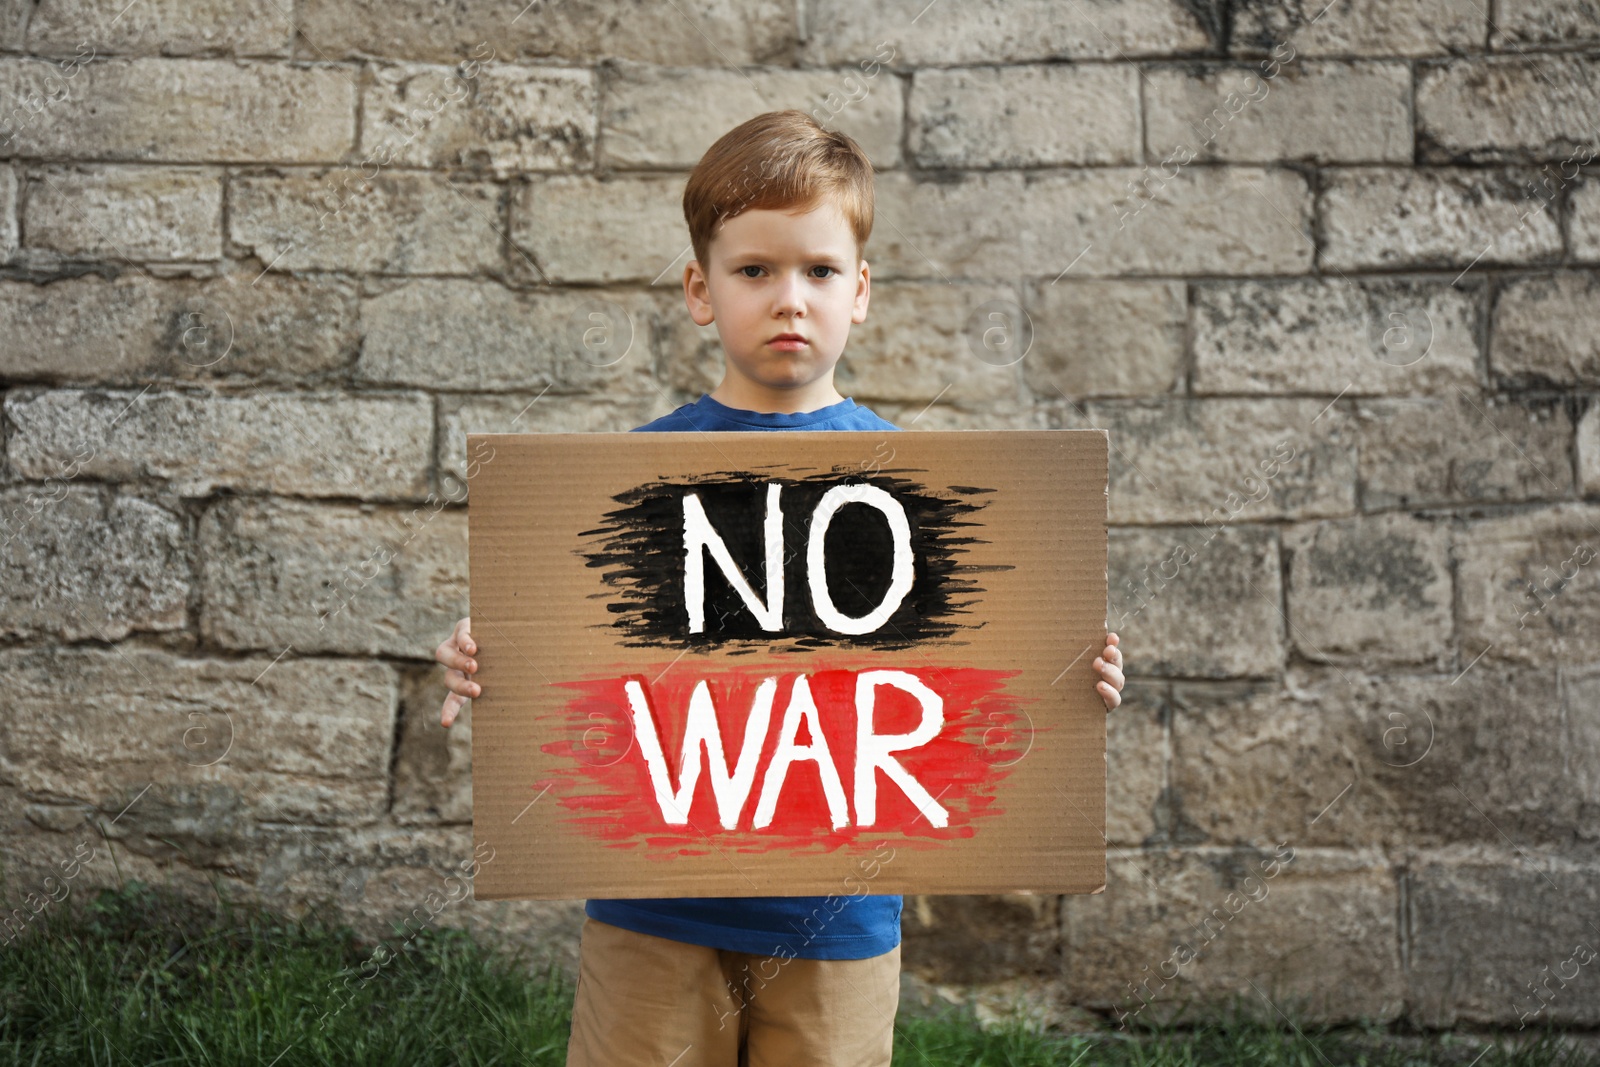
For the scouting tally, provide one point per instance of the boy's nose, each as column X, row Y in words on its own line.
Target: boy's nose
column 790, row 295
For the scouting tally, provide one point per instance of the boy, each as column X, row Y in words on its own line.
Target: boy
column 779, row 211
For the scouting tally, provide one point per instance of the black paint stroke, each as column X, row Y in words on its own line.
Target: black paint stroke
column 640, row 550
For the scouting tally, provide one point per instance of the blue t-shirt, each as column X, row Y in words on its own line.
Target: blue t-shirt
column 802, row 927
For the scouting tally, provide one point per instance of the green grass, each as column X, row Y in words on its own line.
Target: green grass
column 1238, row 1042
column 141, row 976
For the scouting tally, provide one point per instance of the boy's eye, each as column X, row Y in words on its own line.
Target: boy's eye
column 743, row 269
column 821, row 266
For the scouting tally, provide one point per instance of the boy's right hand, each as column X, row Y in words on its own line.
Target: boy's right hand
column 457, row 652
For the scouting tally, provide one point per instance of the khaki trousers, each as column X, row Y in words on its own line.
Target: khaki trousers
column 646, row 1001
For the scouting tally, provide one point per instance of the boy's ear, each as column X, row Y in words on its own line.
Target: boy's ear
column 697, row 294
column 858, row 312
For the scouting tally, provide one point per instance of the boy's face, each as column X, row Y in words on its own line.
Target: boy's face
column 775, row 273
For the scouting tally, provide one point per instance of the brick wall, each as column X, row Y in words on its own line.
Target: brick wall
column 1330, row 276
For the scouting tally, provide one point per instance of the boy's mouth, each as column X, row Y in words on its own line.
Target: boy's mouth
column 788, row 342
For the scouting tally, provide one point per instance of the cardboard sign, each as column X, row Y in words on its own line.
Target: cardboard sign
column 740, row 664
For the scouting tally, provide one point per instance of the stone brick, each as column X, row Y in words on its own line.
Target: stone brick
column 691, row 355
column 1547, row 331
column 292, row 741
column 13, row 20
column 1136, row 760
column 1336, row 336
column 1401, row 760
column 183, row 110
column 272, row 328
column 8, row 214
column 1095, row 222
column 997, row 31
column 733, row 32
column 1022, row 116
column 1589, row 451
column 29, row 856
column 923, row 340
column 1317, row 28
column 1586, row 221
column 499, row 117
column 471, row 335
column 1278, row 920
column 1527, row 592
column 1370, row 591
column 981, row 937
column 1209, row 462
column 530, row 413
column 920, row 415
column 1559, row 22
column 1502, row 449
column 433, row 763
column 579, row 229
column 1444, row 217
column 162, row 27
column 378, row 878
column 78, row 564
column 1501, row 937
column 1105, row 338
column 1508, row 108
column 666, row 117
column 1161, row 579
column 136, row 213
column 332, row 578
column 292, row 443
column 395, row 223
column 1325, row 112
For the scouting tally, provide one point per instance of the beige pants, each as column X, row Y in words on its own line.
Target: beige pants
column 646, row 1001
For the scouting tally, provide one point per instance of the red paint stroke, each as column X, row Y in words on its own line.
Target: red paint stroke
column 607, row 794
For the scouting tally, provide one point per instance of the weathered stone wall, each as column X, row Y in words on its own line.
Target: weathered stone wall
column 1330, row 276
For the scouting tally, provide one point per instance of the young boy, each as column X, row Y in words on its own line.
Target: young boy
column 779, row 211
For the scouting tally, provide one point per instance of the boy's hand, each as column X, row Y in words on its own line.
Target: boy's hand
column 457, row 652
column 1109, row 664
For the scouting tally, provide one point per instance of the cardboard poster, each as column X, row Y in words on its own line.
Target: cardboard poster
column 759, row 664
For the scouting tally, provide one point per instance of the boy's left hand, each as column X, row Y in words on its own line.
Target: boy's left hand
column 1109, row 664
